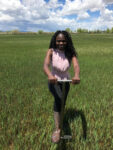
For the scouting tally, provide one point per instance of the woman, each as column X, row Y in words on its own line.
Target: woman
column 60, row 55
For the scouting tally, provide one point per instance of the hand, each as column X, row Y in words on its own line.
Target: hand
column 75, row 80
column 52, row 79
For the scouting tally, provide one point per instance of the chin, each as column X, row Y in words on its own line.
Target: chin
column 61, row 48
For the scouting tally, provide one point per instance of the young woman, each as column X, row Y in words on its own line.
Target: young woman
column 60, row 55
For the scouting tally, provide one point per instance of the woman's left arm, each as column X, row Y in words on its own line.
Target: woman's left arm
column 76, row 78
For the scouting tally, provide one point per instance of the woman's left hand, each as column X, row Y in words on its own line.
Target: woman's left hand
column 75, row 80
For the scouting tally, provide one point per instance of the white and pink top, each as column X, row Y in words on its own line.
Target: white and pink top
column 60, row 65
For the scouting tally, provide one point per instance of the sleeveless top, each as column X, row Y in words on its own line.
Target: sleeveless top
column 60, row 65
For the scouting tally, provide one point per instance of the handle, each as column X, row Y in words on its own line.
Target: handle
column 64, row 80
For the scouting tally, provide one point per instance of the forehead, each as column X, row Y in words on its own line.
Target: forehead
column 60, row 36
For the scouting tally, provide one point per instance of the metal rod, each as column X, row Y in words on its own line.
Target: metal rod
column 62, row 104
column 62, row 108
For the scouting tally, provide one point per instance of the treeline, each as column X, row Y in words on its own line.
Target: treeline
column 79, row 30
column 20, row 32
column 16, row 32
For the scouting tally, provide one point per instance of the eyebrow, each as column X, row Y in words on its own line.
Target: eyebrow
column 61, row 40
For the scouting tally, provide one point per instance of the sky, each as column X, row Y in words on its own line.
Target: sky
column 52, row 15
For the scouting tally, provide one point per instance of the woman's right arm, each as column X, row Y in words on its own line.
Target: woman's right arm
column 46, row 69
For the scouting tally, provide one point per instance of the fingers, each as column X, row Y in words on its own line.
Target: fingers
column 52, row 80
column 75, row 81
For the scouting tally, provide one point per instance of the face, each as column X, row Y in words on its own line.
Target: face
column 61, row 42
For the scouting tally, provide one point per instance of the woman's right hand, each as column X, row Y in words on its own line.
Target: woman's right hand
column 52, row 79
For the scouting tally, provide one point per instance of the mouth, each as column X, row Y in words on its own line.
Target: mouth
column 61, row 46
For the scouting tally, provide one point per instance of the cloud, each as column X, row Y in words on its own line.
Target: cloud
column 83, row 15
column 78, row 6
column 54, row 4
column 52, row 15
column 108, row 1
column 5, row 17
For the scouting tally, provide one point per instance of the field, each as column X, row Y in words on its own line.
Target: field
column 26, row 105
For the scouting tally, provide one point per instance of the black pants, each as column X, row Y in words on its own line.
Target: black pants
column 57, row 92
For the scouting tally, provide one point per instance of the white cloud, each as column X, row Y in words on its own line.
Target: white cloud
column 92, row 5
column 10, row 5
column 53, row 15
column 33, row 3
column 76, row 6
column 5, row 17
column 106, row 15
column 83, row 15
column 108, row 1
column 10, row 10
column 54, row 4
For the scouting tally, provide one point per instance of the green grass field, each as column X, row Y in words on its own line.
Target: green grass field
column 26, row 105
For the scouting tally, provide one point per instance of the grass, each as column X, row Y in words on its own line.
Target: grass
column 26, row 106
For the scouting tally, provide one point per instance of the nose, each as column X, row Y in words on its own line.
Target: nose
column 61, row 43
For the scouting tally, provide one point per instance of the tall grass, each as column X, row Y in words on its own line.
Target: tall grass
column 26, row 106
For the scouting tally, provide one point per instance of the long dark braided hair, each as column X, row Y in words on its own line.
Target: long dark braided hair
column 69, row 50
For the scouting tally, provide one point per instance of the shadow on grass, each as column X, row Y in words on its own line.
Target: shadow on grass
column 69, row 116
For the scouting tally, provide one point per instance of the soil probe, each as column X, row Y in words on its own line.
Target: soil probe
column 62, row 109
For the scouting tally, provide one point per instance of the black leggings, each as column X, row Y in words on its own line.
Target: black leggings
column 56, row 90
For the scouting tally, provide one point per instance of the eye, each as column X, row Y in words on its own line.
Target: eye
column 63, row 41
column 57, row 40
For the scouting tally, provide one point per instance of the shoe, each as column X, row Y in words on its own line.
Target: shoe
column 56, row 136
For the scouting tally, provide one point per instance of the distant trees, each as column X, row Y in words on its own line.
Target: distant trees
column 15, row 31
column 40, row 31
column 112, row 30
column 95, row 31
column 79, row 30
column 108, row 30
column 68, row 30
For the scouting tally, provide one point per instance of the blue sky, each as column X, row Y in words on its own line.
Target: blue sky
column 52, row 15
